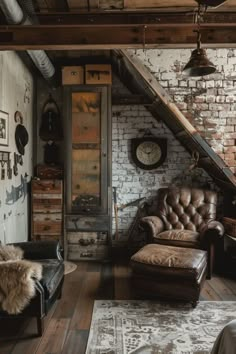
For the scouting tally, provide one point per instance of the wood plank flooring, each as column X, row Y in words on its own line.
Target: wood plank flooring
column 67, row 324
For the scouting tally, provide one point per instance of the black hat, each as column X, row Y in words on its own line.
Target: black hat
column 21, row 138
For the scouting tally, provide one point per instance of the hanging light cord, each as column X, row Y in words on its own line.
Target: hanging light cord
column 198, row 18
column 144, row 36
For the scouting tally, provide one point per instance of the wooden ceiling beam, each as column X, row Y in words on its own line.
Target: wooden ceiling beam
column 131, row 17
column 74, row 37
column 52, row 5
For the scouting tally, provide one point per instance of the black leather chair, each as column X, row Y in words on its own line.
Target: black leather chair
column 49, row 288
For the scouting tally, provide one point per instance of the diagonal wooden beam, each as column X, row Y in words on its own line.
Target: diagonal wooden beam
column 74, row 37
column 141, row 81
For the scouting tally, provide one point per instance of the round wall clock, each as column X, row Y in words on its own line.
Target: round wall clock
column 148, row 152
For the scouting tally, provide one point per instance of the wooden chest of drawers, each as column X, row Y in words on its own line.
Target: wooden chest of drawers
column 47, row 209
column 87, row 245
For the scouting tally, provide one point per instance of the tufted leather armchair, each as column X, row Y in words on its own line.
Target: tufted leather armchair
column 185, row 217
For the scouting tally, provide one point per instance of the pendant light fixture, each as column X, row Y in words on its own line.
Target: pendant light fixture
column 199, row 64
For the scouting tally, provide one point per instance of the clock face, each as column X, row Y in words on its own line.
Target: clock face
column 148, row 153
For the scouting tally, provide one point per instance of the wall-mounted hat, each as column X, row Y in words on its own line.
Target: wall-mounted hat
column 21, row 138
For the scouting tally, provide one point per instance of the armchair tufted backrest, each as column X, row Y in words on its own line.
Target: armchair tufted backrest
column 186, row 208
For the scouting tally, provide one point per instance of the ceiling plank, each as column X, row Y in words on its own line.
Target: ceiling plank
column 111, row 4
column 167, row 3
column 74, row 37
column 83, row 4
column 131, row 17
column 137, row 4
column 51, row 5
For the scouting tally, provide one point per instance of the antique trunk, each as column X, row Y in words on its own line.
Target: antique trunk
column 49, row 171
column 88, row 245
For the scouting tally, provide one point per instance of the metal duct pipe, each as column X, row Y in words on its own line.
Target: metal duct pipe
column 43, row 63
column 15, row 15
column 12, row 11
column 29, row 8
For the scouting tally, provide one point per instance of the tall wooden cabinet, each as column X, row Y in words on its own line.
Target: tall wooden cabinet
column 88, row 172
column 47, row 209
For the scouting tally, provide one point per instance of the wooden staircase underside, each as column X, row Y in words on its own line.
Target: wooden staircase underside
column 139, row 80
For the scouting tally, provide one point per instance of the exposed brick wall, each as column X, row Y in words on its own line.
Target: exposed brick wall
column 132, row 182
column 210, row 102
column 210, row 105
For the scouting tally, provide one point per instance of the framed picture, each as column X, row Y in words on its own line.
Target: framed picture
column 4, row 128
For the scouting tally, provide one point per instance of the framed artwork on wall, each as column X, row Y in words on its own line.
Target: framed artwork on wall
column 4, row 128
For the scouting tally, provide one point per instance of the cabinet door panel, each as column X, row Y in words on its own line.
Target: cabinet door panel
column 85, row 177
column 86, row 128
column 88, row 102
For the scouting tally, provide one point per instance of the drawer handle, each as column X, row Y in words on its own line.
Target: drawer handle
column 46, row 201
column 86, row 241
column 86, row 254
column 46, row 228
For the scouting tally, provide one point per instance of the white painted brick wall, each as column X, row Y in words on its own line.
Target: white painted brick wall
column 132, row 182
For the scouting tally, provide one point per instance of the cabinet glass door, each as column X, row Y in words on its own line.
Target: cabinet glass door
column 88, row 155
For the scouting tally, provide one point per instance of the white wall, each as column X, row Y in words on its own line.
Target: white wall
column 16, row 94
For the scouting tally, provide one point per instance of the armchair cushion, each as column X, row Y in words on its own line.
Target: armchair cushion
column 184, row 238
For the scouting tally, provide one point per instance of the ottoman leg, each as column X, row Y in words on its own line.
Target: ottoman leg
column 194, row 303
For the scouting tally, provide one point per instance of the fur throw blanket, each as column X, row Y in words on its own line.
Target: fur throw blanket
column 17, row 279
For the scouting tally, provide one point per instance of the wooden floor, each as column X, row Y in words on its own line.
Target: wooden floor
column 67, row 325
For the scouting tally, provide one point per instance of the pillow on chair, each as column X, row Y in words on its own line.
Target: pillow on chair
column 17, row 281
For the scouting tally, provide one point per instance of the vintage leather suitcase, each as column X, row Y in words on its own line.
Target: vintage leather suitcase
column 49, row 171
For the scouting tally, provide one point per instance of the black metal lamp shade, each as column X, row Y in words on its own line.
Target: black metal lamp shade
column 199, row 64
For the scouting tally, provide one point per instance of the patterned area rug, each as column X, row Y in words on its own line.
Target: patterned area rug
column 148, row 327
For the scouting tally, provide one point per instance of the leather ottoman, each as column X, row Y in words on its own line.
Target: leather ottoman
column 170, row 272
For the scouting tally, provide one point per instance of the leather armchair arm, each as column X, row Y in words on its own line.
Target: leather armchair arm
column 40, row 249
column 153, row 224
column 212, row 231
